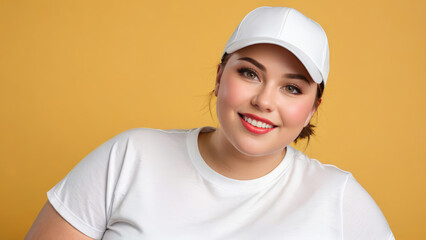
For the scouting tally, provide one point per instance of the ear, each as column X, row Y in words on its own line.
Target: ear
column 314, row 109
column 308, row 119
column 218, row 77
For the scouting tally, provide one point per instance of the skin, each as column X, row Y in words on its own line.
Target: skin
column 231, row 150
column 268, row 92
column 49, row 225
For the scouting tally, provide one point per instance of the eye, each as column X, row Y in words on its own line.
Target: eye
column 248, row 73
column 292, row 89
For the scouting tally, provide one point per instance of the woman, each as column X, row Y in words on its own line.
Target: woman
column 239, row 181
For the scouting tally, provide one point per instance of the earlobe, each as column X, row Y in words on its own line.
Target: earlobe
column 308, row 119
column 312, row 113
column 218, row 77
column 216, row 89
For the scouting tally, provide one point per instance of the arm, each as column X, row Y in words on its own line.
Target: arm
column 50, row 225
column 80, row 204
column 362, row 218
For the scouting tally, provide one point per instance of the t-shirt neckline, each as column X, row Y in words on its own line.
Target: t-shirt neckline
column 227, row 183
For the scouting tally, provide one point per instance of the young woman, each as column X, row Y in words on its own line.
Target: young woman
column 241, row 180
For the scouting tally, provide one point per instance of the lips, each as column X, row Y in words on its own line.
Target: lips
column 256, row 124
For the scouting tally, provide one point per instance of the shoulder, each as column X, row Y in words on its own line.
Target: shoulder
column 148, row 142
column 315, row 170
column 150, row 136
column 136, row 133
column 131, row 143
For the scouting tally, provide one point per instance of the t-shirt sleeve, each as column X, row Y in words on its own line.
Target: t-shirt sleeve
column 362, row 218
column 84, row 197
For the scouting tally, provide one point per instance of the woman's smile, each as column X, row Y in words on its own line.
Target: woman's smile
column 256, row 124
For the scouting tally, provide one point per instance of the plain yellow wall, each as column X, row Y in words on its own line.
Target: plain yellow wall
column 75, row 73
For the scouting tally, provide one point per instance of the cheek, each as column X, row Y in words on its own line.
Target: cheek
column 295, row 114
column 231, row 94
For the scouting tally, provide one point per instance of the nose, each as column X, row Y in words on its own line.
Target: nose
column 263, row 100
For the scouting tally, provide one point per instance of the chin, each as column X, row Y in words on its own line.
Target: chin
column 254, row 149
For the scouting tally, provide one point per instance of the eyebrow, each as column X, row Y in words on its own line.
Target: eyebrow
column 297, row 76
column 254, row 62
column 288, row 75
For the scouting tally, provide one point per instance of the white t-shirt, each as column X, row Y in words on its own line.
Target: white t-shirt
column 154, row 184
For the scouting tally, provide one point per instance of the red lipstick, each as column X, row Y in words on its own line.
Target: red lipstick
column 254, row 129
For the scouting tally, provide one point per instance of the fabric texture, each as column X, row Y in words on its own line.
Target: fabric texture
column 154, row 184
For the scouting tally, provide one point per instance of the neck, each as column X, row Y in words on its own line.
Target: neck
column 225, row 159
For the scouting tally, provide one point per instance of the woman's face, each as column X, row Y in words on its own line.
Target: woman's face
column 267, row 86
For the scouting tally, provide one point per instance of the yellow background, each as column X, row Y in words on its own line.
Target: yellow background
column 75, row 73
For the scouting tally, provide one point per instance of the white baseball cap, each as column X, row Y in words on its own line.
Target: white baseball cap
column 290, row 29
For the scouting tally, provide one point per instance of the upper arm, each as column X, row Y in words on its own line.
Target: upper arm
column 78, row 205
column 50, row 225
column 362, row 218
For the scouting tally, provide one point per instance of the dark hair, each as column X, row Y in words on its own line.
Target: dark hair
column 307, row 131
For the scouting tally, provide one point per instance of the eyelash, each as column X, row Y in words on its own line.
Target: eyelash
column 244, row 71
column 295, row 88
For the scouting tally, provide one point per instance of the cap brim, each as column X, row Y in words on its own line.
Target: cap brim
column 310, row 66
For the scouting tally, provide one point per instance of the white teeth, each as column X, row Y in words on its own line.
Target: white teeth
column 257, row 123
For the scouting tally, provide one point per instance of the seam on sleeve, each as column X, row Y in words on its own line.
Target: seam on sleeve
column 341, row 204
column 110, row 200
column 114, row 152
column 71, row 218
column 391, row 236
